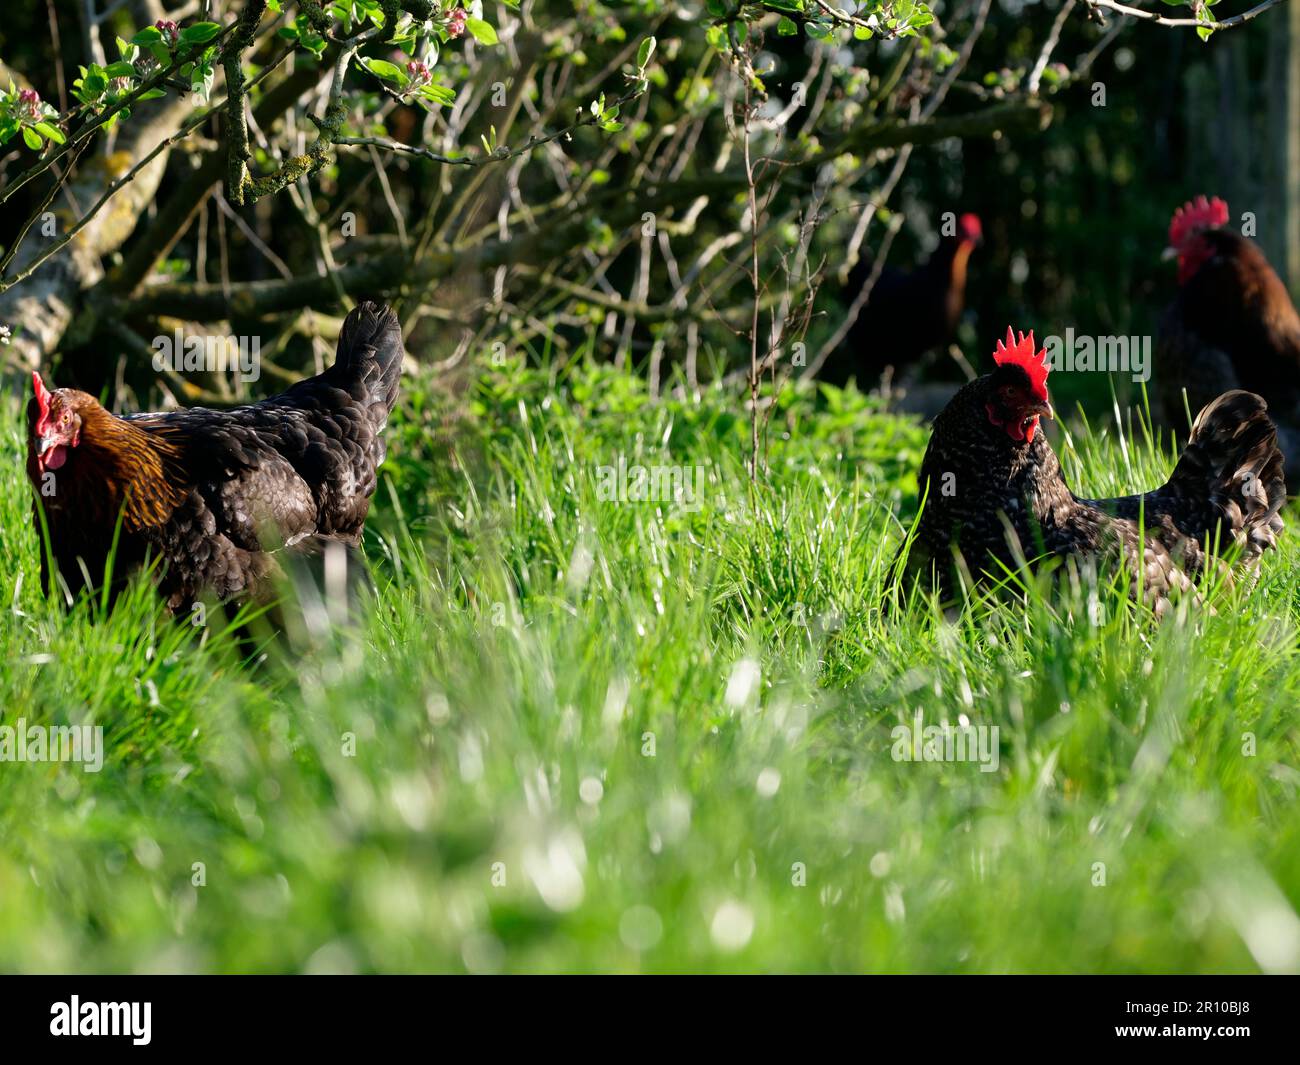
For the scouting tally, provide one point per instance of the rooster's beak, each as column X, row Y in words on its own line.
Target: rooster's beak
column 1167, row 254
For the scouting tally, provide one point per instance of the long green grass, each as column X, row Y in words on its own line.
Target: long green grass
column 573, row 734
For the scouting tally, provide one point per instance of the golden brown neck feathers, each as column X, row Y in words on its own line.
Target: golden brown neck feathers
column 121, row 466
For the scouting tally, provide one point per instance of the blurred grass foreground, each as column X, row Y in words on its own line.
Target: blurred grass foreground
column 576, row 729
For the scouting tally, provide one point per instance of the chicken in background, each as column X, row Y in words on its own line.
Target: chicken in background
column 907, row 314
column 992, row 488
column 214, row 494
column 1232, row 325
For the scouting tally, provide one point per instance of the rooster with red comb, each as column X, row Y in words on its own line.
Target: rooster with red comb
column 1231, row 325
column 992, row 489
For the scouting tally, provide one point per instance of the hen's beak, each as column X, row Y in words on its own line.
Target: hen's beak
column 43, row 444
column 1043, row 409
column 1168, row 253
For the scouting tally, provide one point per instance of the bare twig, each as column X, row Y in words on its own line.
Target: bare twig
column 1049, row 46
column 1161, row 20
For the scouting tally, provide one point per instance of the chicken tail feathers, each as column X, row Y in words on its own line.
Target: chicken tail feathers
column 369, row 358
column 1233, row 455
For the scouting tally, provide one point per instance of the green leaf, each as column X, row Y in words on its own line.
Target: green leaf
column 152, row 94
column 94, row 83
column 644, row 53
column 1208, row 24
column 148, row 35
column 381, row 68
column 50, row 132
column 120, row 70
column 201, row 81
column 438, row 94
column 199, row 33
column 32, row 138
column 482, row 31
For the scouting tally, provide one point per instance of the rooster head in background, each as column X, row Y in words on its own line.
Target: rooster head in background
column 1186, row 242
column 969, row 230
column 1016, row 392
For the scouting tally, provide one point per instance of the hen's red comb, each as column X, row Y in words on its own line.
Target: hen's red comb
column 1199, row 213
column 1025, row 354
column 42, row 400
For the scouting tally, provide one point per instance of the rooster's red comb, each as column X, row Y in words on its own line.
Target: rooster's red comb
column 1199, row 213
column 1025, row 354
column 42, row 399
column 970, row 226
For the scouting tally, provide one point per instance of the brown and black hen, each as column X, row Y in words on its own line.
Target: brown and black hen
column 1232, row 325
column 992, row 489
column 214, row 493
column 906, row 314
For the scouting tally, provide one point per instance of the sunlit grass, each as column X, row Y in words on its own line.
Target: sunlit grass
column 574, row 734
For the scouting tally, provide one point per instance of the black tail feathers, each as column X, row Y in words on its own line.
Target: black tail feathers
column 1233, row 454
column 370, row 352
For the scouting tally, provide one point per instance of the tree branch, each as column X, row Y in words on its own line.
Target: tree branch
column 1160, row 20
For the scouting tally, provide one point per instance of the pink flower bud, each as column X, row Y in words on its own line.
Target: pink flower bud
column 29, row 103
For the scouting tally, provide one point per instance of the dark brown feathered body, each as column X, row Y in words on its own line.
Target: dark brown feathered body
column 906, row 316
column 1232, row 325
column 214, row 494
column 990, row 497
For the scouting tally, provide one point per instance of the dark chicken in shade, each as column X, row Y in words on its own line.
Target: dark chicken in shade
column 214, row 494
column 992, row 489
column 1232, row 325
column 907, row 314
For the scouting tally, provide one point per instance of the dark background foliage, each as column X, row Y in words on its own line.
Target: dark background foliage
column 1075, row 217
